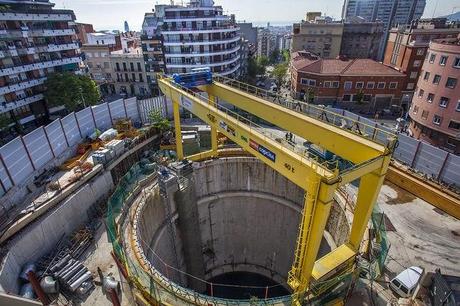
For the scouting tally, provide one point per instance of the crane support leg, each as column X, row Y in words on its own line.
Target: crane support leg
column 214, row 144
column 179, row 147
column 318, row 201
column 369, row 188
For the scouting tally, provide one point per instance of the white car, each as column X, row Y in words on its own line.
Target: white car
column 273, row 88
column 405, row 283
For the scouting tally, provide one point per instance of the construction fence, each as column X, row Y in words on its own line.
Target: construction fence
column 158, row 289
column 26, row 155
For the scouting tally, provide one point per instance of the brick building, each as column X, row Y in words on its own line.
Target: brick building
column 435, row 111
column 407, row 45
column 355, row 84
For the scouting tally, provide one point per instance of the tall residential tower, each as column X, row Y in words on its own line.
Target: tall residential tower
column 35, row 40
column 390, row 12
column 177, row 39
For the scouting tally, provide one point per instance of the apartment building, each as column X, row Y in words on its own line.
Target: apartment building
column 266, row 42
column 407, row 46
column 361, row 38
column 35, row 40
column 435, row 110
column 116, row 63
column 248, row 32
column 195, row 35
column 319, row 35
column 82, row 29
column 390, row 12
column 362, row 85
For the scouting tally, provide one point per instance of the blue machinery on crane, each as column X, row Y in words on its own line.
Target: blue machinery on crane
column 366, row 149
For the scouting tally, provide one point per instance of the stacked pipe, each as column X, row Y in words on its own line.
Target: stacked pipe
column 72, row 275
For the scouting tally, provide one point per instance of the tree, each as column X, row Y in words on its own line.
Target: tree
column 274, row 55
column 359, row 97
column 263, row 61
column 5, row 121
column 71, row 90
column 255, row 68
column 158, row 121
column 286, row 56
column 279, row 73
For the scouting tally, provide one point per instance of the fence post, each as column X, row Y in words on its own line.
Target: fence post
column 28, row 153
column 124, row 107
column 443, row 166
column 412, row 164
column 63, row 132
column 92, row 115
column 110, row 114
column 7, row 170
column 49, row 143
column 78, row 125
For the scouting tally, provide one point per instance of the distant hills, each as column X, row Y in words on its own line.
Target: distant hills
column 453, row 17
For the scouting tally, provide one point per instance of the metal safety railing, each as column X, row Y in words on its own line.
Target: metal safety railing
column 320, row 113
column 158, row 287
column 267, row 135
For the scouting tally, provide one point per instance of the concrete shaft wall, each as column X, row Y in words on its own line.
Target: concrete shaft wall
column 248, row 218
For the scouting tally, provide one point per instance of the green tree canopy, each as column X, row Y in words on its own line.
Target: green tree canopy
column 5, row 121
column 286, row 56
column 71, row 90
column 158, row 121
column 263, row 61
column 274, row 55
column 254, row 68
column 279, row 73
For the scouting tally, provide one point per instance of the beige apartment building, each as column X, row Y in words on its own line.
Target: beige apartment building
column 319, row 35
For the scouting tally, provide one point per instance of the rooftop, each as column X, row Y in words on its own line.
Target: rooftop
column 308, row 62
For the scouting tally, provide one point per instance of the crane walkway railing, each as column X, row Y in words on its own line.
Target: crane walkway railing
column 322, row 113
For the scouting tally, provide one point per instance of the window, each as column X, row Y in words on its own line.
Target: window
column 437, row 119
column 327, row 84
column 458, row 106
column 432, row 58
column 454, row 125
column 118, row 66
column 139, row 68
column 426, row 77
column 410, row 86
column 381, row 85
column 430, row 98
column 367, row 98
column 131, row 66
column 425, row 114
column 417, row 63
column 420, row 51
column 415, row 110
column 348, row 85
column 413, row 75
column 346, row 98
column 141, row 78
column 443, row 60
column 443, row 102
column 436, row 79
column 457, row 62
column 335, row 84
column 421, row 92
column 124, row 67
column 308, row 82
column 451, row 83
column 393, row 85
column 359, row 85
column 370, row 85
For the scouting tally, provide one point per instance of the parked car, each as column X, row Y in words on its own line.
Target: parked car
column 274, row 88
column 260, row 84
column 405, row 283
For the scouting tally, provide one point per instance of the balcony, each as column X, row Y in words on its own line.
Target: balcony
column 197, row 30
column 195, row 18
column 204, row 42
column 21, row 86
column 35, row 17
column 197, row 54
column 8, row 106
column 14, row 33
column 39, row 65
column 232, row 70
column 57, row 48
column 49, row 33
column 203, row 64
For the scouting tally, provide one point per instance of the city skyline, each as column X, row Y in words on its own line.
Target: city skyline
column 111, row 14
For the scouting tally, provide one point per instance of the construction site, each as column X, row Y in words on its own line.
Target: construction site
column 248, row 198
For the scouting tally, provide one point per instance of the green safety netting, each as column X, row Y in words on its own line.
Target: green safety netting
column 155, row 287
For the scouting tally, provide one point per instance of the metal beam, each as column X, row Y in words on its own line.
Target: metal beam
column 345, row 144
column 292, row 165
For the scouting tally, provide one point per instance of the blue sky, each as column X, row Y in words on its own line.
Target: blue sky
column 110, row 14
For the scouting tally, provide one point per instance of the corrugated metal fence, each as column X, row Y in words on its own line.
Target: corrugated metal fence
column 21, row 157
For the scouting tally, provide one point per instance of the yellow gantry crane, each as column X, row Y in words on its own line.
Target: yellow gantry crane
column 370, row 160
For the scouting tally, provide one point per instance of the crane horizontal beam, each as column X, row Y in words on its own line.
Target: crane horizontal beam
column 290, row 164
column 341, row 142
